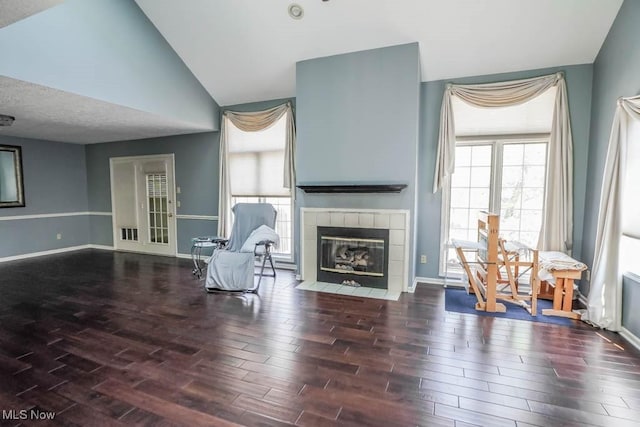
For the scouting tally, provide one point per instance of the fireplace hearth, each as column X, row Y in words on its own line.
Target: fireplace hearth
column 357, row 256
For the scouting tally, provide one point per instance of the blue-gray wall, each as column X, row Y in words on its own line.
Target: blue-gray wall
column 108, row 50
column 54, row 182
column 196, row 172
column 616, row 73
column 579, row 80
column 357, row 122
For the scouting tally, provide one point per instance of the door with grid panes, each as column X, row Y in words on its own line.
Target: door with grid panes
column 504, row 176
column 143, row 203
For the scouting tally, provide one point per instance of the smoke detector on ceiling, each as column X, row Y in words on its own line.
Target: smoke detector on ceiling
column 296, row 11
column 6, row 120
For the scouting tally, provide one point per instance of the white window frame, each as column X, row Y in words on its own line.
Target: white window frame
column 279, row 256
column 497, row 142
column 261, row 198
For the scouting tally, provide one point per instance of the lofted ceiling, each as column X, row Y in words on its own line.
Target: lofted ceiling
column 89, row 71
column 246, row 50
column 15, row 10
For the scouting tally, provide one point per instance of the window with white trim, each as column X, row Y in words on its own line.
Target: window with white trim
column 630, row 240
column 500, row 166
column 503, row 175
column 256, row 165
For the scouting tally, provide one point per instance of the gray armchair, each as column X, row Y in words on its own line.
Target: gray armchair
column 231, row 267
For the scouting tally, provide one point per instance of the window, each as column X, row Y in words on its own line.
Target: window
column 630, row 240
column 157, row 197
column 256, row 165
column 284, row 221
column 504, row 176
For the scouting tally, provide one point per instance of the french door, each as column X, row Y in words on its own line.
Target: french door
column 142, row 201
column 503, row 176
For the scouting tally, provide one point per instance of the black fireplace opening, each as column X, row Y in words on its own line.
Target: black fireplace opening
column 356, row 255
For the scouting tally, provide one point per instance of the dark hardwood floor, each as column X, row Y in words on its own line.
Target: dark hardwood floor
column 105, row 338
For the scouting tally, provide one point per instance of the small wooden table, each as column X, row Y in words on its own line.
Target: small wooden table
column 563, row 294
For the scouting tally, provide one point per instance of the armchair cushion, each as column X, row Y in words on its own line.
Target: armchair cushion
column 260, row 236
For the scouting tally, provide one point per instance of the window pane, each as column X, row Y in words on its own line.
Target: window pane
column 469, row 193
column 510, row 198
column 463, row 156
column 512, row 154
column 459, row 197
column 459, row 218
column 460, row 177
column 534, row 176
column 535, row 154
column 479, row 198
column 480, row 176
column 531, row 219
column 256, row 160
column 629, row 255
column 459, row 233
column 533, row 197
column 522, row 192
column 481, row 155
column 512, row 176
column 284, row 221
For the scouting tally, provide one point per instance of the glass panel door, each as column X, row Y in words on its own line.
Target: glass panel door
column 470, row 193
column 498, row 176
column 522, row 192
column 157, row 197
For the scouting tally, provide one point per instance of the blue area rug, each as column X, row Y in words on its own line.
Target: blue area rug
column 459, row 301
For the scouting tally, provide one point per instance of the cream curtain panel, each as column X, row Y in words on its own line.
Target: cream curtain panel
column 605, row 295
column 557, row 221
column 252, row 122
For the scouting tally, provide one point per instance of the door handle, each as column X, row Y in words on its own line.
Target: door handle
column 170, row 215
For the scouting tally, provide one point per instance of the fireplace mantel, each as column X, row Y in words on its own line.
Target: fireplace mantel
column 352, row 188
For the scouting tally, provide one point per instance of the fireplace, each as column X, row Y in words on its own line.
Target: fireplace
column 353, row 255
column 394, row 221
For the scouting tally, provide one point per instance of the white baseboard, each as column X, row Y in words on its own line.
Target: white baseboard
column 438, row 281
column 286, row 266
column 582, row 299
column 101, row 247
column 630, row 337
column 412, row 289
column 188, row 256
column 278, row 265
column 43, row 253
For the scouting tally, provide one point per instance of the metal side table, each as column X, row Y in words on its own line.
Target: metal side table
column 197, row 245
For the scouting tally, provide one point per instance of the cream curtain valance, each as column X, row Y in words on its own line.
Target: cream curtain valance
column 252, row 122
column 605, row 293
column 557, row 222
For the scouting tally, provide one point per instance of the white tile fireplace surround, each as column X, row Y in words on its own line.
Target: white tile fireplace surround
column 394, row 220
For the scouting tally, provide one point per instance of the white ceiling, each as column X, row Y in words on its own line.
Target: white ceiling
column 246, row 50
column 55, row 115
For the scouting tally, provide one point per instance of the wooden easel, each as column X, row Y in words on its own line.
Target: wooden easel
column 491, row 256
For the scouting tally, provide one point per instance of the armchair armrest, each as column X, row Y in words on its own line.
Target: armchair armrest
column 267, row 247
